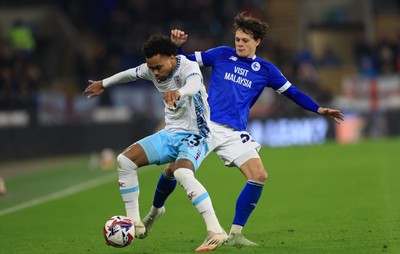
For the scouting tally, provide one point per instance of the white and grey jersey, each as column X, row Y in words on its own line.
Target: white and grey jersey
column 191, row 113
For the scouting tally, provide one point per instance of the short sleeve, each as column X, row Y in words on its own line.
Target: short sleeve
column 208, row 58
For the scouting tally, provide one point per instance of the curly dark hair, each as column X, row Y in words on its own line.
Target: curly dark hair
column 250, row 25
column 159, row 44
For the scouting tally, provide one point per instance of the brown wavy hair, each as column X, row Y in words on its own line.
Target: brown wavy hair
column 250, row 25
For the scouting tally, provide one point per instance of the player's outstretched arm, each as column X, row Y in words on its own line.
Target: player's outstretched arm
column 95, row 88
column 307, row 103
column 334, row 114
column 178, row 37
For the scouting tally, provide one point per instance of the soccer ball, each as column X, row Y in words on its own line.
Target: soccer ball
column 119, row 231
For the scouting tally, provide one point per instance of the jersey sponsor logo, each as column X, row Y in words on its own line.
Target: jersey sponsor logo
column 241, row 71
column 237, row 79
column 237, row 76
column 233, row 58
column 255, row 66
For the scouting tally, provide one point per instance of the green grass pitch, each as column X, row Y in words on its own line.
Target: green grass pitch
column 318, row 199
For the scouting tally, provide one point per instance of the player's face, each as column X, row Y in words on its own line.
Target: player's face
column 245, row 45
column 162, row 66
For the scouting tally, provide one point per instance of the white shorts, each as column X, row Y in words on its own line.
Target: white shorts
column 230, row 144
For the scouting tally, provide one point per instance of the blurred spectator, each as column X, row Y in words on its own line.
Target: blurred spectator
column 21, row 38
column 329, row 59
column 305, row 68
column 367, row 66
column 20, row 75
column 386, row 55
column 362, row 47
column 364, row 56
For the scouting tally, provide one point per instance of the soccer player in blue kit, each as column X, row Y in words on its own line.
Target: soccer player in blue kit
column 184, row 140
column 238, row 78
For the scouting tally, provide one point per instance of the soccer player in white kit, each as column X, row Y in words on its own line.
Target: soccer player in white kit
column 184, row 140
column 238, row 78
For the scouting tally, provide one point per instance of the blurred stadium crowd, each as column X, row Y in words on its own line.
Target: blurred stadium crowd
column 109, row 35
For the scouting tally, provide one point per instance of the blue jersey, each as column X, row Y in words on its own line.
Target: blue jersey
column 236, row 83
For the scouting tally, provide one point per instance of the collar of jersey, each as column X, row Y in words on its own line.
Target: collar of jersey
column 178, row 63
column 253, row 58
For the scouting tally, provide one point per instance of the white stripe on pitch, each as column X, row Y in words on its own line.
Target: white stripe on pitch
column 60, row 194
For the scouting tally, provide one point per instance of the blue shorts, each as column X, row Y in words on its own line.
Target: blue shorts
column 165, row 147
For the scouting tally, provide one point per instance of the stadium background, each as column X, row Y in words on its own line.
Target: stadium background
column 332, row 189
column 344, row 54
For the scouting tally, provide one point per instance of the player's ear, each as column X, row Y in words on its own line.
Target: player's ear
column 171, row 59
column 258, row 41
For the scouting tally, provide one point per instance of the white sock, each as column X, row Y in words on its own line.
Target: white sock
column 155, row 211
column 236, row 229
column 199, row 197
column 129, row 186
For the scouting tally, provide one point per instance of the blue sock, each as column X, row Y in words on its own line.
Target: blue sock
column 165, row 187
column 247, row 201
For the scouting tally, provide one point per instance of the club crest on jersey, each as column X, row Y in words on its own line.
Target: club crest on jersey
column 178, row 81
column 255, row 66
column 233, row 58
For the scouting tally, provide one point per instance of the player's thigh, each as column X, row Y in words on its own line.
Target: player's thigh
column 252, row 166
column 233, row 146
column 158, row 148
column 194, row 148
column 136, row 153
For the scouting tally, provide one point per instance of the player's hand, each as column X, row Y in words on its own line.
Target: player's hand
column 170, row 97
column 95, row 88
column 178, row 37
column 334, row 114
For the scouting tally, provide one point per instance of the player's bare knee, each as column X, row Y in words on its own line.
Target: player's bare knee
column 262, row 177
column 183, row 163
column 258, row 175
column 169, row 169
